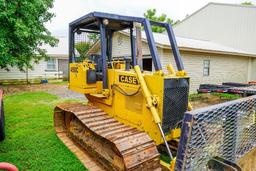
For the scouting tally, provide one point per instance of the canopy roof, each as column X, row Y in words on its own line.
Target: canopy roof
column 115, row 22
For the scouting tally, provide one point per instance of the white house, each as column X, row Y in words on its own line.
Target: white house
column 55, row 68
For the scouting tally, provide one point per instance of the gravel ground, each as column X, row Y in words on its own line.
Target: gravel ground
column 63, row 92
column 60, row 90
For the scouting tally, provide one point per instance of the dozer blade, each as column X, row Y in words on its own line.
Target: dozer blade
column 103, row 143
column 225, row 131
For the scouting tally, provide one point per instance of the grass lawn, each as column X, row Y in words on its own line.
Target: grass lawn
column 31, row 143
column 224, row 96
column 60, row 83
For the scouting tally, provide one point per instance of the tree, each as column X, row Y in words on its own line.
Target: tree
column 151, row 15
column 23, row 31
column 247, row 3
column 82, row 48
column 93, row 37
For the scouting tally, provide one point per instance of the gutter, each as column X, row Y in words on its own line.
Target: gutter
column 213, row 52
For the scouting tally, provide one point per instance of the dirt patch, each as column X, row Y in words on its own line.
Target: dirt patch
column 204, row 100
column 13, row 89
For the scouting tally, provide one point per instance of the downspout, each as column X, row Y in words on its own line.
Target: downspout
column 249, row 71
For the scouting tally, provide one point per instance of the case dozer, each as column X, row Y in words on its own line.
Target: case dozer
column 142, row 120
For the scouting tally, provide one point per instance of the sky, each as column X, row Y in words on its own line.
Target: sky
column 68, row 10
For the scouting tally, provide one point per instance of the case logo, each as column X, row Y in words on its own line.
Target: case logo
column 128, row 79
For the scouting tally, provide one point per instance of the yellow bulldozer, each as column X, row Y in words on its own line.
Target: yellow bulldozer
column 138, row 120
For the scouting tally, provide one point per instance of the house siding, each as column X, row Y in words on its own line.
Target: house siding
column 14, row 73
column 223, row 68
column 124, row 48
column 38, row 72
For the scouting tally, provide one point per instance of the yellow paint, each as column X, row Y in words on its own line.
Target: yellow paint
column 190, row 107
column 147, row 95
column 78, row 76
column 165, row 165
column 175, row 134
column 181, row 73
column 170, row 69
column 136, row 110
column 172, row 165
column 169, row 166
column 160, row 72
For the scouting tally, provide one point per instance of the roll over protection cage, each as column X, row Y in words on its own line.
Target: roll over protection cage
column 94, row 23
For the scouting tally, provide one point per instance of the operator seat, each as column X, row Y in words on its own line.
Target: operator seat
column 97, row 59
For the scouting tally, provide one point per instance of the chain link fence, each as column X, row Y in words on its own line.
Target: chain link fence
column 227, row 130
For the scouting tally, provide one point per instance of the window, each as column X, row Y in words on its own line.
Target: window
column 51, row 64
column 206, row 69
column 120, row 40
column 147, row 64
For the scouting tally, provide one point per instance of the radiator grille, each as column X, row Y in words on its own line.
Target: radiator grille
column 226, row 130
column 175, row 102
